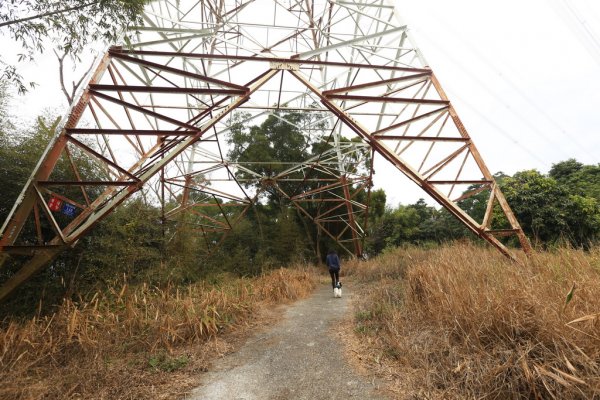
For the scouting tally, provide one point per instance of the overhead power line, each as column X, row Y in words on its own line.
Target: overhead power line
column 514, row 86
column 524, row 120
column 577, row 23
column 500, row 130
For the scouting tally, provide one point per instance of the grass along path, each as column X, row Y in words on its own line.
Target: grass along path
column 462, row 322
column 138, row 342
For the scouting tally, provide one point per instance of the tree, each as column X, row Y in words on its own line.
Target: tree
column 564, row 170
column 550, row 211
column 70, row 25
column 376, row 205
column 287, row 139
column 580, row 179
column 5, row 120
column 476, row 205
column 277, row 142
column 127, row 243
column 19, row 152
column 416, row 223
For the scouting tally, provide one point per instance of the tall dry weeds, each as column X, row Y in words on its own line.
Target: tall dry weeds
column 121, row 343
column 463, row 322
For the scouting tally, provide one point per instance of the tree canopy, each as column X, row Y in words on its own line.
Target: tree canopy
column 550, row 210
column 560, row 207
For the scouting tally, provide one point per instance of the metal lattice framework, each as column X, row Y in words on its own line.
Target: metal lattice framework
column 159, row 110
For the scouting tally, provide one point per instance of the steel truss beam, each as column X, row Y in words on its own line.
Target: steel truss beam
column 158, row 114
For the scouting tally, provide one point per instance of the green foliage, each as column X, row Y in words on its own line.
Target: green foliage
column 19, row 153
column 377, row 205
column 282, row 139
column 5, row 119
column 129, row 242
column 564, row 170
column 134, row 244
column 166, row 363
column 12, row 176
column 413, row 224
column 278, row 141
column 69, row 24
column 563, row 206
column 476, row 205
column 549, row 211
column 580, row 179
column 268, row 238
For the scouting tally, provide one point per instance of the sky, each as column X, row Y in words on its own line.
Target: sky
column 524, row 77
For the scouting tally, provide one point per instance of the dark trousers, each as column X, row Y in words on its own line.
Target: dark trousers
column 335, row 276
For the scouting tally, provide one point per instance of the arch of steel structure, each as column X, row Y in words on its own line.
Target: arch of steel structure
column 158, row 112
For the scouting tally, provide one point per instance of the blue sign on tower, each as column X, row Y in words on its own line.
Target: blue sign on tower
column 68, row 209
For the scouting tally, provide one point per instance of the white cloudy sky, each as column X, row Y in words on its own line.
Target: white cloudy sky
column 524, row 77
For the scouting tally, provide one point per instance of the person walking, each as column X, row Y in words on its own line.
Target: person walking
column 333, row 263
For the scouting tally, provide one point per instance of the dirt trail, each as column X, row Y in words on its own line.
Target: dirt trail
column 300, row 357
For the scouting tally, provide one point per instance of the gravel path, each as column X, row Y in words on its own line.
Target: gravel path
column 298, row 358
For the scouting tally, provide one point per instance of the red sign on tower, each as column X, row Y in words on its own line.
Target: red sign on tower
column 54, row 204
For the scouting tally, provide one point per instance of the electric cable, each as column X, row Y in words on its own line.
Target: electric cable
column 578, row 26
column 519, row 116
column 515, row 87
column 500, row 130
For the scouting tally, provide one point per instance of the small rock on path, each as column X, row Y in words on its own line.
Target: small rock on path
column 298, row 358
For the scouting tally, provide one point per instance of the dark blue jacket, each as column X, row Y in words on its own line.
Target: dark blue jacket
column 333, row 261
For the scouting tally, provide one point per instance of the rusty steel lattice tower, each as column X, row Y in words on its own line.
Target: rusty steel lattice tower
column 159, row 109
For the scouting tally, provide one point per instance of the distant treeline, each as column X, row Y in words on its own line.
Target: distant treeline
column 561, row 207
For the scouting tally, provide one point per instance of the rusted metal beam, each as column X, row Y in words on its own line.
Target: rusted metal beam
column 24, row 204
column 471, row 193
column 351, row 221
column 99, row 156
column 442, row 163
column 525, row 245
column 420, row 138
column 489, row 210
column 63, row 198
column 203, row 72
column 376, row 83
column 118, row 52
column 144, row 111
column 77, row 175
column 410, row 121
column 122, row 56
column 140, row 132
column 174, row 90
column 87, row 183
column 459, row 182
column 385, row 99
column 405, row 168
column 513, row 221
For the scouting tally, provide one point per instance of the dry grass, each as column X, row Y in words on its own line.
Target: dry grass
column 463, row 322
column 134, row 341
